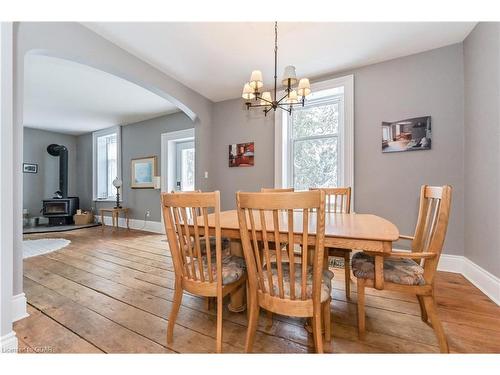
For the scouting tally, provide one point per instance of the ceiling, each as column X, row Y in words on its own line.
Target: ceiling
column 216, row 58
column 68, row 97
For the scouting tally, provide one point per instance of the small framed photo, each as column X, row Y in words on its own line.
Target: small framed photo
column 143, row 172
column 30, row 168
column 241, row 154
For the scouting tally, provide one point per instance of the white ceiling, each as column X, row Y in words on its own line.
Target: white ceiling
column 215, row 59
column 68, row 97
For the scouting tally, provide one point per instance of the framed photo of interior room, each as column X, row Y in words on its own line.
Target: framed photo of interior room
column 241, row 154
column 407, row 135
column 143, row 172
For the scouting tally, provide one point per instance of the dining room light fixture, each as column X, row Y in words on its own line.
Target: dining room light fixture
column 256, row 97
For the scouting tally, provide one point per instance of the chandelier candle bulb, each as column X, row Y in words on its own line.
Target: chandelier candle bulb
column 266, row 98
column 247, row 92
column 256, row 80
column 289, row 74
column 304, row 88
column 292, row 97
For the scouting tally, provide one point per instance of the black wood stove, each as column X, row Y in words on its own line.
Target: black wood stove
column 60, row 209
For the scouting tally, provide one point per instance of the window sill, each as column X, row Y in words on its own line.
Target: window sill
column 106, row 200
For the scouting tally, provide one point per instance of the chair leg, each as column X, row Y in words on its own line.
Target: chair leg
column 430, row 306
column 423, row 311
column 361, row 308
column 175, row 310
column 347, row 270
column 318, row 339
column 326, row 320
column 219, row 323
column 252, row 324
column 269, row 319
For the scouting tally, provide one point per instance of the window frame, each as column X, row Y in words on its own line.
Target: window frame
column 95, row 136
column 346, row 137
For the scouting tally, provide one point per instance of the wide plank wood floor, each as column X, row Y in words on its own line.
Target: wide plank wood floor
column 111, row 292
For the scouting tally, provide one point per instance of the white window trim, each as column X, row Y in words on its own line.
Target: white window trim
column 346, row 137
column 95, row 135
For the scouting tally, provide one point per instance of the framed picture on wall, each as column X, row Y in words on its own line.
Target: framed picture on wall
column 241, row 154
column 407, row 135
column 143, row 172
column 30, row 168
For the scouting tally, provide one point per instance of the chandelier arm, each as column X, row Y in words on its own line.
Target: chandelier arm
column 267, row 101
column 289, row 110
column 259, row 105
column 284, row 97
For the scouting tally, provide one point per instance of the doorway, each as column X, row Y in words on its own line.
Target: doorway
column 178, row 154
column 184, row 160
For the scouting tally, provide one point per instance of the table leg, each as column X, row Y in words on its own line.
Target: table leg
column 126, row 213
column 238, row 297
column 114, row 219
column 379, row 272
column 102, row 221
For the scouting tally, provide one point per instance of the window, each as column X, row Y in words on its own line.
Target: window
column 107, row 164
column 314, row 143
column 314, row 146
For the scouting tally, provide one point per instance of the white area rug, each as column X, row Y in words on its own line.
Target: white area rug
column 32, row 248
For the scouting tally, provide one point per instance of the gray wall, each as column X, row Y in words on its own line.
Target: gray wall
column 42, row 185
column 482, row 146
column 232, row 123
column 429, row 83
column 138, row 140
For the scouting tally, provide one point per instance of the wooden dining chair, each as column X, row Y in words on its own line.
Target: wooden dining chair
column 279, row 284
column 402, row 272
column 226, row 242
column 203, row 271
column 339, row 200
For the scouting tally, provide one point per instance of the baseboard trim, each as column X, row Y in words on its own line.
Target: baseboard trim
column 145, row 225
column 486, row 282
column 9, row 343
column 19, row 307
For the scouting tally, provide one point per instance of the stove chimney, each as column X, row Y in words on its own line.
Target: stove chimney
column 62, row 152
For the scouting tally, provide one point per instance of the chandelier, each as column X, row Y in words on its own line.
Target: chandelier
column 291, row 96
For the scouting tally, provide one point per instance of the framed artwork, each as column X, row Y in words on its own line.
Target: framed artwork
column 143, row 172
column 407, row 135
column 241, row 154
column 30, row 168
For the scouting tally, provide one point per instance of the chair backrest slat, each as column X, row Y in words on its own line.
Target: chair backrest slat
column 277, row 216
column 341, row 199
column 266, row 250
column 432, row 223
column 186, row 224
column 279, row 260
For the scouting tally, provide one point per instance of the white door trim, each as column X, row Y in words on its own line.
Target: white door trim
column 8, row 340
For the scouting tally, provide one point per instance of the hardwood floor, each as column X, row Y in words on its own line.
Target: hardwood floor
column 112, row 292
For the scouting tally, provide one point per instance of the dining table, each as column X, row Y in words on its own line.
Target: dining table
column 365, row 232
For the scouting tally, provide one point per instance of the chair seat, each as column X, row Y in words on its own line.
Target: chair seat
column 396, row 270
column 326, row 281
column 233, row 268
column 225, row 245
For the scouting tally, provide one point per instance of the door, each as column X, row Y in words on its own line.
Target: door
column 184, row 171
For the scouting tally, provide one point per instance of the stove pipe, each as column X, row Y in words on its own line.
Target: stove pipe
column 62, row 152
